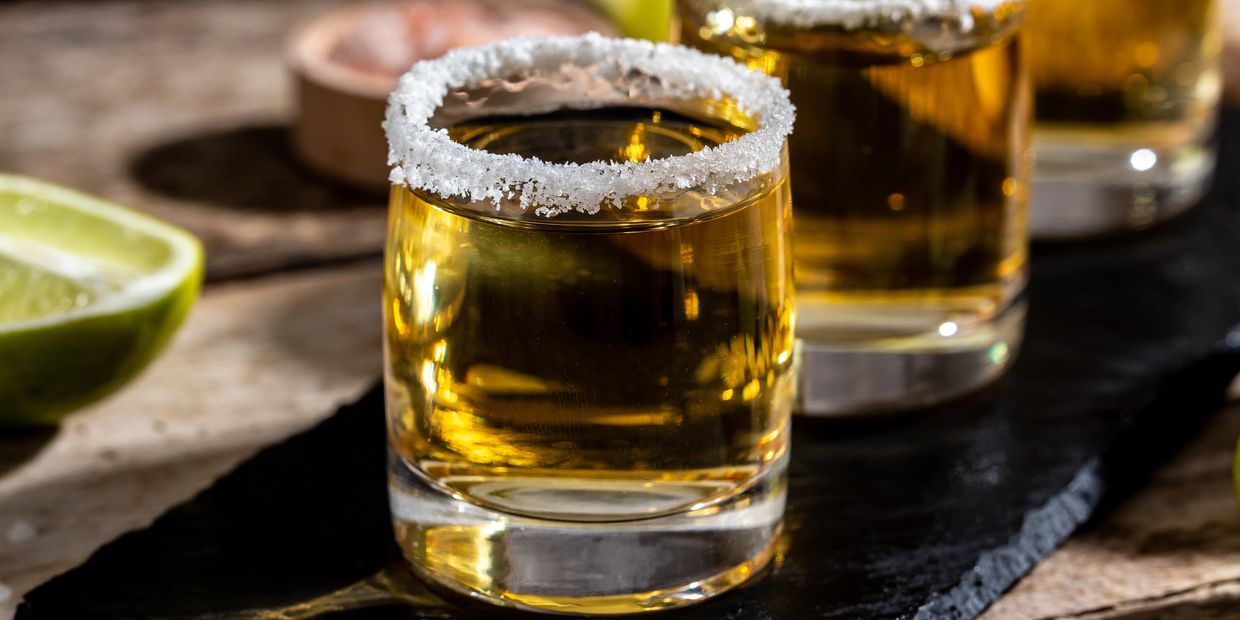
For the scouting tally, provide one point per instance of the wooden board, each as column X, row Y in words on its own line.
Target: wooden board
column 179, row 109
column 1170, row 552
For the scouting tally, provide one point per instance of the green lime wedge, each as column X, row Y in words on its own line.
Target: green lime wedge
column 643, row 19
column 89, row 293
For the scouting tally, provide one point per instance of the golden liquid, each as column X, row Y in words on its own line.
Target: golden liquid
column 909, row 166
column 1122, row 70
column 637, row 350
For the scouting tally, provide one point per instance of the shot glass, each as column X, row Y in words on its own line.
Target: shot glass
column 589, row 323
column 1127, row 103
column 910, row 168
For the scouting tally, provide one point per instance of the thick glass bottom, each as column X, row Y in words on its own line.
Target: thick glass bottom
column 1083, row 189
column 587, row 567
column 946, row 358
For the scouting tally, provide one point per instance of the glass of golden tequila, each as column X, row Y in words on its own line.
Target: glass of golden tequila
column 1127, row 95
column 589, row 322
column 909, row 176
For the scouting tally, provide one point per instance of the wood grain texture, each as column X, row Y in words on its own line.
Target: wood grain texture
column 256, row 362
column 179, row 109
column 1171, row 551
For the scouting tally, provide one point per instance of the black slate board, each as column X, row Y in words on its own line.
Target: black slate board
column 1129, row 347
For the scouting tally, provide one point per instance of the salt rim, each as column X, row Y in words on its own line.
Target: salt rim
column 425, row 158
column 859, row 13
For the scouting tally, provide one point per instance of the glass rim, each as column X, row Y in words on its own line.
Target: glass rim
column 426, row 158
column 852, row 14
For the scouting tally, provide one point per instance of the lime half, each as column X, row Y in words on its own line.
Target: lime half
column 89, row 293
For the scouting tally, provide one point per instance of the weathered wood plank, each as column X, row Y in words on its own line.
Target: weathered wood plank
column 257, row 361
column 1171, row 551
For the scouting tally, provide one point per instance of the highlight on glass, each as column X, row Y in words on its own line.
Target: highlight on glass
column 910, row 177
column 589, row 322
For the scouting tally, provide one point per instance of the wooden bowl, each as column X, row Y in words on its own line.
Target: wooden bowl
column 341, row 101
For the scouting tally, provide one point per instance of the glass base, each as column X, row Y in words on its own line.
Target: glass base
column 587, row 567
column 886, row 375
column 1083, row 191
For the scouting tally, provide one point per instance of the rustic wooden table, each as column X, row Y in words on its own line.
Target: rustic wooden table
column 180, row 109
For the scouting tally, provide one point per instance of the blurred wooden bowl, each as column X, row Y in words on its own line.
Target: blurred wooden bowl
column 341, row 100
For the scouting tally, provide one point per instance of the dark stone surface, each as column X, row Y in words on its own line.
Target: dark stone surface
column 931, row 515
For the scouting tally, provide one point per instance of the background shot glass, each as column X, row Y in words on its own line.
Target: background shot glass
column 909, row 176
column 589, row 365
column 1127, row 100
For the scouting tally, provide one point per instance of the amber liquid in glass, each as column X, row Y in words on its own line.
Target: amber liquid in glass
column 909, row 178
column 598, row 374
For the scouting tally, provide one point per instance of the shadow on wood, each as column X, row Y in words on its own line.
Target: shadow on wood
column 249, row 167
column 20, row 445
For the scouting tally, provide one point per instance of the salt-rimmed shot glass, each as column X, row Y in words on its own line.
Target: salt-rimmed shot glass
column 910, row 174
column 589, row 323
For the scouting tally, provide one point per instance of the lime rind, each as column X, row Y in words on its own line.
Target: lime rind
column 58, row 368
